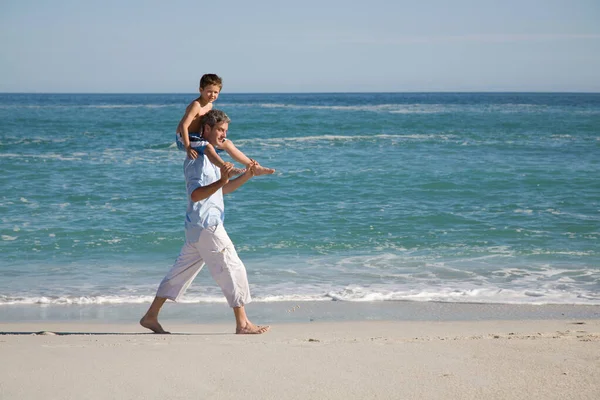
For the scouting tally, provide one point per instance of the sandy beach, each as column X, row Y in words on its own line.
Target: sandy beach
column 504, row 359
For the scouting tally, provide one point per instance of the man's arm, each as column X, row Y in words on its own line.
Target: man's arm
column 228, row 186
column 235, row 184
column 204, row 192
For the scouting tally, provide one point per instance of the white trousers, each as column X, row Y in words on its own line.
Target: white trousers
column 216, row 250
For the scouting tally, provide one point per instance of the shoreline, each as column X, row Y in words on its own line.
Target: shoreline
column 299, row 312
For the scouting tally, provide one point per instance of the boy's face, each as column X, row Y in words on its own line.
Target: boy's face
column 210, row 93
column 217, row 134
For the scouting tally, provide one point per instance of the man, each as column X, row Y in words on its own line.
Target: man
column 206, row 238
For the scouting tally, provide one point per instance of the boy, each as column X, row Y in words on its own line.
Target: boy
column 189, row 130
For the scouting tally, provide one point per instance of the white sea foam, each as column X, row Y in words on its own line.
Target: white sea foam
column 563, row 252
column 556, row 291
column 48, row 156
column 70, row 300
column 492, row 295
column 521, row 211
column 110, row 241
column 132, row 106
column 344, row 138
column 95, row 300
column 78, row 106
column 553, row 211
column 9, row 238
column 582, row 216
column 33, row 140
column 420, row 108
column 376, row 108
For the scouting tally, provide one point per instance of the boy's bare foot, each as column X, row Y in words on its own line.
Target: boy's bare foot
column 153, row 325
column 251, row 329
column 260, row 170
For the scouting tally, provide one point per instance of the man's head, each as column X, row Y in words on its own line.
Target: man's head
column 215, row 124
column 210, row 87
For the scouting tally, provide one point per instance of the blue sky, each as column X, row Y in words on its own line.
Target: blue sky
column 301, row 46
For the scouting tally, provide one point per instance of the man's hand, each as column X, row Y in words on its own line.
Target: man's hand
column 232, row 186
column 227, row 172
column 191, row 153
column 251, row 169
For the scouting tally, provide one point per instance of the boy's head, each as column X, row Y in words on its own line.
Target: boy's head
column 215, row 124
column 211, row 79
column 210, row 87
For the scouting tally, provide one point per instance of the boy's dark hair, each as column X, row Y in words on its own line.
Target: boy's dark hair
column 211, row 79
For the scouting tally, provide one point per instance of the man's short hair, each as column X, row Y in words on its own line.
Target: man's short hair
column 211, row 79
column 214, row 117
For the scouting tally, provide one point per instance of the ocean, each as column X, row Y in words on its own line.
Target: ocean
column 378, row 197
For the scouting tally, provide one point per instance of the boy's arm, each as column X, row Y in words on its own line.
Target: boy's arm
column 191, row 113
column 213, row 156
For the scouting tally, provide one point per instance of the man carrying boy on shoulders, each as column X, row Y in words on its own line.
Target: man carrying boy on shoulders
column 207, row 241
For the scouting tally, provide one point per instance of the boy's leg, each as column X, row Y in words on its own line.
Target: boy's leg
column 230, row 274
column 179, row 142
column 174, row 284
column 196, row 141
column 214, row 158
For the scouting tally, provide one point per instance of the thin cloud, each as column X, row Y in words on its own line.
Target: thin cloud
column 353, row 38
column 476, row 38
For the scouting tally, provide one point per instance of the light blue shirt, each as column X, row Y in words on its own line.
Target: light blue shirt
column 207, row 212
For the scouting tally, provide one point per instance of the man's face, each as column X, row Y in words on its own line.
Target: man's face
column 210, row 93
column 217, row 134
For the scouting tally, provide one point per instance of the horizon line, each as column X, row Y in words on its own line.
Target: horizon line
column 338, row 92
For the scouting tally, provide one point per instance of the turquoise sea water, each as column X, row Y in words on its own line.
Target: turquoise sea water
column 456, row 197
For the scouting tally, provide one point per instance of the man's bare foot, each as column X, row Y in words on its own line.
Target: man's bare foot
column 260, row 170
column 251, row 329
column 153, row 325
